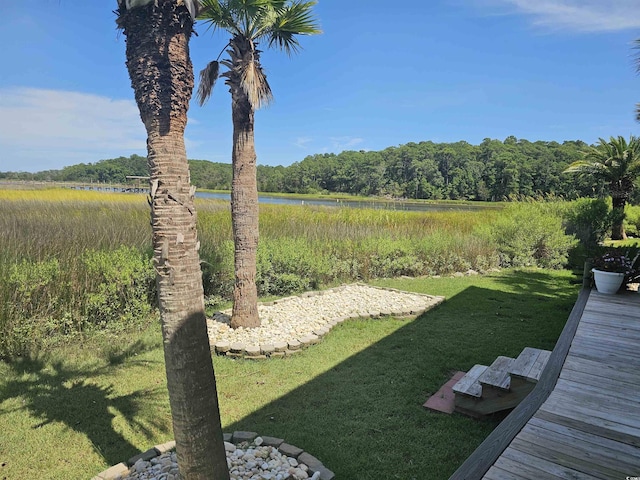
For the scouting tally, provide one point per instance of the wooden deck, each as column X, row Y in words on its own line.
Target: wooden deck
column 585, row 422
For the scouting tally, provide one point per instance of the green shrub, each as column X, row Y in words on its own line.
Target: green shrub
column 288, row 265
column 386, row 257
column 44, row 300
column 30, row 299
column 33, row 286
column 589, row 220
column 633, row 221
column 121, row 286
column 532, row 234
column 216, row 261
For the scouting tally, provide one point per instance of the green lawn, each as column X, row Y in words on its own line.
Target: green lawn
column 354, row 401
column 630, row 242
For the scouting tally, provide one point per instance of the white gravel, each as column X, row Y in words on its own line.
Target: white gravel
column 294, row 318
column 250, row 462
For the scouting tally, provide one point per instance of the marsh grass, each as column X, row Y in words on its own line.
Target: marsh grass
column 65, row 255
column 354, row 400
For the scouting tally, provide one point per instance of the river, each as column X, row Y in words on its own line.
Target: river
column 385, row 205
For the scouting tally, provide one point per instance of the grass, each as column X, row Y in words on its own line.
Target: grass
column 354, row 401
column 66, row 253
column 630, row 242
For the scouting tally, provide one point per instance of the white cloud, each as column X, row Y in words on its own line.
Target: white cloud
column 302, row 142
column 48, row 129
column 575, row 15
column 344, row 143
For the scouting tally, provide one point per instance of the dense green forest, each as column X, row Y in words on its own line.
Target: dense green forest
column 492, row 171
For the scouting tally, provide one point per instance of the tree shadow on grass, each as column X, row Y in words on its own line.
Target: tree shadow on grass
column 364, row 417
column 55, row 392
column 537, row 283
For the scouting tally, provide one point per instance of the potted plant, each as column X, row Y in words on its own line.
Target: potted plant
column 610, row 270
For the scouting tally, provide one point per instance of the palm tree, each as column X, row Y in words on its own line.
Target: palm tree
column 637, row 48
column 249, row 22
column 617, row 163
column 157, row 35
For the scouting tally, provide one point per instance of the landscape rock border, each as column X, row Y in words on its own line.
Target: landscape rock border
column 314, row 465
column 289, row 347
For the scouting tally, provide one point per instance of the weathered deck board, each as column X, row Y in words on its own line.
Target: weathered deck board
column 589, row 424
column 497, row 375
column 530, row 466
column 621, row 450
column 529, row 364
column 619, row 373
column 469, row 385
column 540, row 363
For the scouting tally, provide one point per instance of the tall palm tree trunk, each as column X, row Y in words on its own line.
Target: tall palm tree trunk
column 620, row 190
column 162, row 78
column 244, row 206
column 617, row 225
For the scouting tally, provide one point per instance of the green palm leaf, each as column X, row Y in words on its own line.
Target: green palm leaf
column 295, row 19
column 612, row 161
column 278, row 22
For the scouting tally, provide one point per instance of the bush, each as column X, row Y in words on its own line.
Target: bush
column 216, row 261
column 532, row 234
column 34, row 287
column 121, row 287
column 589, row 220
column 633, row 221
column 288, row 265
column 45, row 301
column 386, row 257
column 29, row 300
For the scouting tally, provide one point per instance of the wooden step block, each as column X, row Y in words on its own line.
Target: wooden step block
column 530, row 364
column 497, row 375
column 468, row 385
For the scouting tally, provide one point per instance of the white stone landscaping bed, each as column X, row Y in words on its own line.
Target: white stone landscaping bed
column 294, row 322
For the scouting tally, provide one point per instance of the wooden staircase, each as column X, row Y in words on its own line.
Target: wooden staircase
column 500, row 386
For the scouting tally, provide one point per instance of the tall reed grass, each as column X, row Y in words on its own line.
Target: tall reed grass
column 73, row 261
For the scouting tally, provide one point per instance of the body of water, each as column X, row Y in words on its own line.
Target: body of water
column 386, row 205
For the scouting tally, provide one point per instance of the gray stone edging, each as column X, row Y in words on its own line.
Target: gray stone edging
column 289, row 348
column 238, row 437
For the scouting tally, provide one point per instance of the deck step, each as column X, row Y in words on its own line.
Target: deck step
column 497, row 375
column 469, row 385
column 530, row 364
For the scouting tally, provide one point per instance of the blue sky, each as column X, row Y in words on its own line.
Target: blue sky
column 380, row 75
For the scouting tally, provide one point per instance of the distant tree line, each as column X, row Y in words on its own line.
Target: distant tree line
column 492, row 171
column 114, row 170
column 204, row 174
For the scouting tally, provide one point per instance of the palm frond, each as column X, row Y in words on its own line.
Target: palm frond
column 248, row 22
column 583, row 166
column 218, row 15
column 294, row 19
column 208, row 77
column 254, row 83
column 614, row 160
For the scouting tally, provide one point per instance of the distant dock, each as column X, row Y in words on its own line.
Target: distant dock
column 137, row 185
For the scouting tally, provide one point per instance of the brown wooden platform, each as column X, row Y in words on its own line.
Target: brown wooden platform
column 583, row 419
